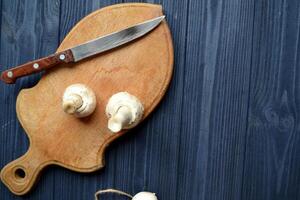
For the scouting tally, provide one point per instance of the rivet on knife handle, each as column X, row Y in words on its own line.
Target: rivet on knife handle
column 11, row 75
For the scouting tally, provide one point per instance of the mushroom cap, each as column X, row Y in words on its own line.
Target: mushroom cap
column 79, row 100
column 145, row 196
column 124, row 99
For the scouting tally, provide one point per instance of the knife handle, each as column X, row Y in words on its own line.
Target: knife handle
column 11, row 75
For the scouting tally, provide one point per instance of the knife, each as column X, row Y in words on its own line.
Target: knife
column 82, row 51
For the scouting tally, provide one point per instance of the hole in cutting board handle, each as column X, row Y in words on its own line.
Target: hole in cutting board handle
column 20, row 174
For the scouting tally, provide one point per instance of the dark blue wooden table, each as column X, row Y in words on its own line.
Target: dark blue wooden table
column 228, row 127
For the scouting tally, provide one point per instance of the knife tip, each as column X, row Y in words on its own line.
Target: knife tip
column 162, row 17
column 159, row 19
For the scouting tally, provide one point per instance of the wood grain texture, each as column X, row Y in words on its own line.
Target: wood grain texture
column 142, row 68
column 272, row 158
column 29, row 30
column 227, row 128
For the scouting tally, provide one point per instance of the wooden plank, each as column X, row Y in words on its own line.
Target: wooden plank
column 67, row 141
column 149, row 156
column 71, row 185
column 0, row 23
column 192, row 147
column 215, row 99
column 29, row 29
column 272, row 167
column 73, row 11
column 128, row 160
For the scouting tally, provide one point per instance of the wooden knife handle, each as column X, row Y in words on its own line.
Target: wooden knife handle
column 11, row 75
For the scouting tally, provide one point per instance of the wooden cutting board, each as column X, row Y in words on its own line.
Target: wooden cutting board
column 142, row 68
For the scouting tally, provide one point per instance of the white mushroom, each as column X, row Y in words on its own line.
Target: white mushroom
column 79, row 100
column 144, row 196
column 124, row 111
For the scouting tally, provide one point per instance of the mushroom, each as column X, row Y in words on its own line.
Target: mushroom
column 79, row 100
column 124, row 111
column 139, row 196
column 144, row 196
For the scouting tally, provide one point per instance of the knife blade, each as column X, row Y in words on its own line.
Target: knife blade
column 82, row 51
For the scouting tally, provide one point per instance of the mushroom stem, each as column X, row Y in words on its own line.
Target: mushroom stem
column 119, row 119
column 72, row 103
column 124, row 111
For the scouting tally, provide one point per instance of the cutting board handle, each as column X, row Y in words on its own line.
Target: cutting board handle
column 20, row 175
